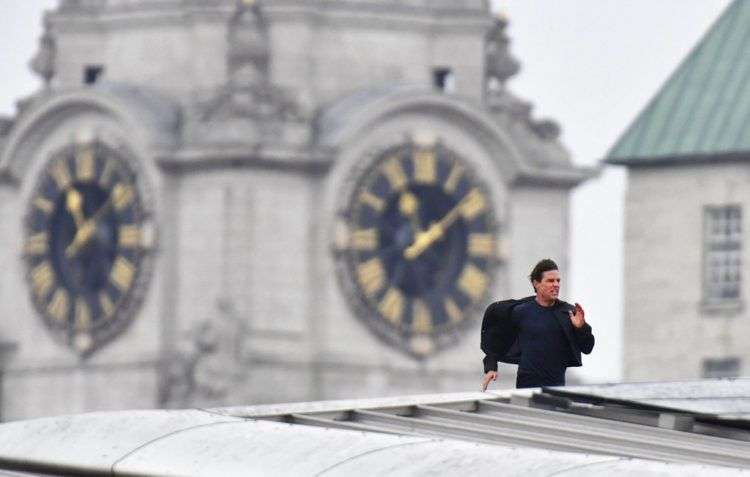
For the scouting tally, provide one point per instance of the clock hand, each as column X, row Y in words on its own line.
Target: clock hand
column 435, row 232
column 74, row 204
column 87, row 229
column 82, row 236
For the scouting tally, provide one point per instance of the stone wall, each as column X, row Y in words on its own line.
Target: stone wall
column 667, row 330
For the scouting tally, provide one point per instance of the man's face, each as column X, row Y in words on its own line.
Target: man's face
column 548, row 289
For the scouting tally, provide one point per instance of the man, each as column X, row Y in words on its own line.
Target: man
column 540, row 333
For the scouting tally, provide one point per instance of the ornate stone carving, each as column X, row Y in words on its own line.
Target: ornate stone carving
column 43, row 62
column 6, row 123
column 249, row 92
column 249, row 48
column 203, row 367
column 500, row 65
column 546, row 128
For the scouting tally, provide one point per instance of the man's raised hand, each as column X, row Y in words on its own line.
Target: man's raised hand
column 578, row 318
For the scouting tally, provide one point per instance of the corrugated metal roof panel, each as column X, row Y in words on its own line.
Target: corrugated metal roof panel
column 492, row 421
column 519, row 432
column 716, row 397
column 703, row 109
column 88, row 442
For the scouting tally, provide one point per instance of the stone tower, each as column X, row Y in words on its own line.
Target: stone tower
column 220, row 202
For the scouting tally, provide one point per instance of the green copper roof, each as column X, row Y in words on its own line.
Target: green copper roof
column 704, row 107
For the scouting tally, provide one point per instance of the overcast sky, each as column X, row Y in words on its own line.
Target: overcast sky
column 589, row 64
column 593, row 65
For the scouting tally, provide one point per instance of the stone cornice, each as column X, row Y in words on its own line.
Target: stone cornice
column 406, row 15
column 303, row 160
column 565, row 178
column 443, row 6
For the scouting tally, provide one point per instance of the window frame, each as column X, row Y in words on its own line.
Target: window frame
column 728, row 248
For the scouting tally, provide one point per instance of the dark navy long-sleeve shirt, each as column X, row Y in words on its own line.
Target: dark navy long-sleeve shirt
column 544, row 346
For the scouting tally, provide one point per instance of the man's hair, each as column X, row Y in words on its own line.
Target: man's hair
column 544, row 265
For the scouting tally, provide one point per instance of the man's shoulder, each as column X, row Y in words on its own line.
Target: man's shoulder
column 523, row 305
column 527, row 305
column 506, row 306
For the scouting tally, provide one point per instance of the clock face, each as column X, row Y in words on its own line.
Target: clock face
column 416, row 246
column 87, row 238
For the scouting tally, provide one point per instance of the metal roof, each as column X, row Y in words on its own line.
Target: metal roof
column 703, row 109
column 520, row 432
column 726, row 399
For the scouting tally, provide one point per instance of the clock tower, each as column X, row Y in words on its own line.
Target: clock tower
column 233, row 202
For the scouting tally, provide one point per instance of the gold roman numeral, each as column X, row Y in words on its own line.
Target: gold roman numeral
column 108, row 307
column 473, row 204
column 106, row 176
column 129, row 236
column 37, row 244
column 371, row 276
column 85, row 163
column 425, row 170
column 451, row 182
column 482, row 245
column 83, row 315
column 422, row 318
column 122, row 195
column 473, row 282
column 365, row 239
column 392, row 306
column 44, row 205
column 61, row 174
column 122, row 273
column 372, row 200
column 58, row 305
column 42, row 279
column 454, row 312
column 395, row 173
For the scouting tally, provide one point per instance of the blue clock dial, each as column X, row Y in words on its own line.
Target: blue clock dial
column 87, row 269
column 86, row 245
column 420, row 248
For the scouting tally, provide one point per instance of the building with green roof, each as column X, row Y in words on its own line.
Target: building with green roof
column 686, row 268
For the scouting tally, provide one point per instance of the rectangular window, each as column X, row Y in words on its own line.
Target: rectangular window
column 92, row 73
column 721, row 368
column 722, row 257
column 444, row 80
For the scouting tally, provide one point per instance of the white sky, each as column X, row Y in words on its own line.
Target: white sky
column 591, row 65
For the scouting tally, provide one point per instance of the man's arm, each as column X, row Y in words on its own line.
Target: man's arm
column 498, row 333
column 490, row 336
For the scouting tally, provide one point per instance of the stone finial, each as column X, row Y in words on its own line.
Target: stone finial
column 248, row 92
column 249, row 50
column 500, row 64
column 43, row 62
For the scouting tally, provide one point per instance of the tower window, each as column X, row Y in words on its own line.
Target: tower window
column 444, row 79
column 722, row 253
column 92, row 73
